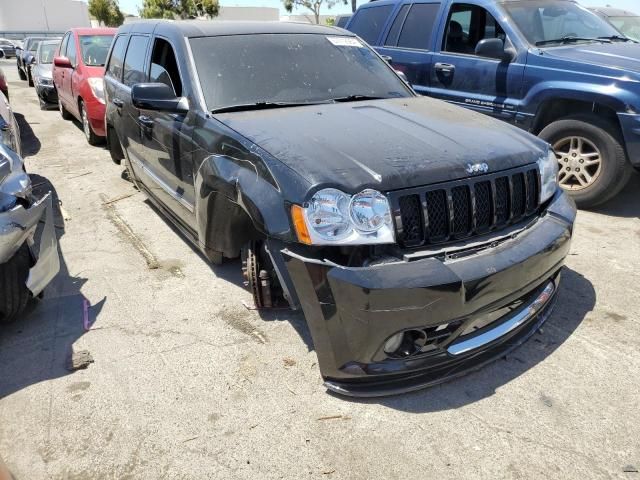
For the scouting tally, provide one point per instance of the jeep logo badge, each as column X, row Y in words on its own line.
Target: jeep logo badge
column 477, row 168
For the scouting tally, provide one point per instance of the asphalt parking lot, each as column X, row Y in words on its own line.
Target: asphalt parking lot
column 186, row 382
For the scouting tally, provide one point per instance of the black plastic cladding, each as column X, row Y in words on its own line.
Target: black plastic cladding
column 454, row 210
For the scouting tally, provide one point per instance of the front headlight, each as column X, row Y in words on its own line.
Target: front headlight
column 548, row 167
column 333, row 217
column 45, row 82
column 97, row 87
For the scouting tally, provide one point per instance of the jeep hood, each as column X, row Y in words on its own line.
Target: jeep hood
column 619, row 56
column 385, row 144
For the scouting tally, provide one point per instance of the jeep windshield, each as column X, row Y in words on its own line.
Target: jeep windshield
column 251, row 72
column 558, row 22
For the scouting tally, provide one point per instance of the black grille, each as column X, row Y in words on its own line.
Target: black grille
column 462, row 209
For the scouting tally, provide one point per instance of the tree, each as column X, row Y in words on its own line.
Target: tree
column 107, row 12
column 179, row 9
column 313, row 5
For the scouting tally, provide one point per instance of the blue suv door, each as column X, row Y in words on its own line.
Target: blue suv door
column 462, row 76
column 409, row 39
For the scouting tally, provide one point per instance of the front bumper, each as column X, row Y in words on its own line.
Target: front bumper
column 352, row 312
column 18, row 226
column 47, row 93
column 630, row 124
column 95, row 112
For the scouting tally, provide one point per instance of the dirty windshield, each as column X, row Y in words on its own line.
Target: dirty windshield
column 553, row 22
column 280, row 69
column 95, row 49
column 630, row 26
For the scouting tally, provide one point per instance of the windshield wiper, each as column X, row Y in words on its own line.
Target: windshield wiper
column 260, row 106
column 617, row 38
column 357, row 98
column 570, row 39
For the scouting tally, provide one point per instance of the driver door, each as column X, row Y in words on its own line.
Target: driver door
column 458, row 75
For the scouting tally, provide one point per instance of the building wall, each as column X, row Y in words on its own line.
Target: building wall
column 42, row 15
column 248, row 14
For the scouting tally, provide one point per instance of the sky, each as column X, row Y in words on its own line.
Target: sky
column 131, row 6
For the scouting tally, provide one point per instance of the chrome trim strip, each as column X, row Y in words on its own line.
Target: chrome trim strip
column 172, row 193
column 517, row 320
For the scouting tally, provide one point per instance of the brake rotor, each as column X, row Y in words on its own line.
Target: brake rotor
column 251, row 273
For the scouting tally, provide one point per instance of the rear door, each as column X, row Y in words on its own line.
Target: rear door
column 460, row 76
column 58, row 73
column 133, row 71
column 409, row 39
column 167, row 137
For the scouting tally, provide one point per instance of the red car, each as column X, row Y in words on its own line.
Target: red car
column 78, row 73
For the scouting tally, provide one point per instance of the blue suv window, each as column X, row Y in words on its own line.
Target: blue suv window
column 417, row 28
column 368, row 22
column 394, row 33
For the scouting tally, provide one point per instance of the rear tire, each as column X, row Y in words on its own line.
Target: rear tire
column 63, row 111
column 92, row 138
column 14, row 294
column 592, row 160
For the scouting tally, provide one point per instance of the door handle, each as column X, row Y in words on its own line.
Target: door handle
column 445, row 68
column 145, row 121
column 117, row 102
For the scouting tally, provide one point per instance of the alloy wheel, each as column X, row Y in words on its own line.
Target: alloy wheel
column 85, row 123
column 579, row 162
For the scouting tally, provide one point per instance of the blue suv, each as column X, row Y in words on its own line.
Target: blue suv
column 550, row 67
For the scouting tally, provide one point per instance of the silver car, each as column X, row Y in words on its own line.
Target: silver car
column 41, row 71
column 28, row 262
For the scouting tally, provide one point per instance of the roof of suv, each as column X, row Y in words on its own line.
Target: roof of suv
column 201, row 28
column 614, row 12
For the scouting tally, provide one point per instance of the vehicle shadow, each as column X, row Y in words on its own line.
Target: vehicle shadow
column 30, row 142
column 38, row 346
column 626, row 203
column 576, row 299
column 231, row 271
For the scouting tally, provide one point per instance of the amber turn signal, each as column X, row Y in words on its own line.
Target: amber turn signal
column 297, row 213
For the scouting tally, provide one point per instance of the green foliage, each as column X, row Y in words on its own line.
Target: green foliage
column 107, row 12
column 313, row 5
column 330, row 21
column 182, row 9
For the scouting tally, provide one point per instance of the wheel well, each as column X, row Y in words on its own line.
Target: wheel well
column 556, row 109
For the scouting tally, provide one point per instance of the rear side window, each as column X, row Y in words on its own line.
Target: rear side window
column 63, row 45
column 71, row 51
column 164, row 67
column 418, row 27
column 114, row 69
column 134, row 60
column 394, row 33
column 368, row 22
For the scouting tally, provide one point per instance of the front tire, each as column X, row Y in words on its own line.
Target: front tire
column 14, row 294
column 30, row 77
column 21, row 74
column 592, row 162
column 92, row 138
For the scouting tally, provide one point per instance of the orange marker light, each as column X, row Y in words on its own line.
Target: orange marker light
column 297, row 213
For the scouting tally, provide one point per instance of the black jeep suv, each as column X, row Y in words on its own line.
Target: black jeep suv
column 421, row 240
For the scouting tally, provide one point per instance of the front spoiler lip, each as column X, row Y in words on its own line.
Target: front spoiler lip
column 414, row 381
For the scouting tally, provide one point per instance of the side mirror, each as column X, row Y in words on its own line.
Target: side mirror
column 158, row 97
column 491, row 48
column 62, row 62
column 33, row 60
column 403, row 76
column 387, row 59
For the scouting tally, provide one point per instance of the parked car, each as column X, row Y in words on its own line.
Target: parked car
column 421, row 240
column 546, row 66
column 78, row 73
column 4, row 85
column 27, row 263
column 626, row 22
column 42, row 71
column 25, row 56
column 8, row 48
